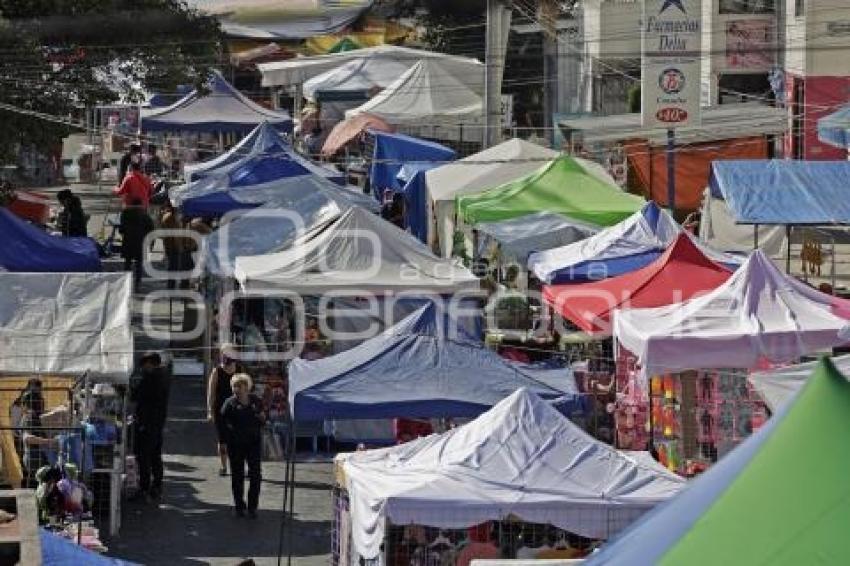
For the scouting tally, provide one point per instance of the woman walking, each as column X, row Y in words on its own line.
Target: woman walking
column 218, row 391
column 244, row 417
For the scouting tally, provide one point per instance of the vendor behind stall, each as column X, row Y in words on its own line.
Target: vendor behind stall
column 34, row 441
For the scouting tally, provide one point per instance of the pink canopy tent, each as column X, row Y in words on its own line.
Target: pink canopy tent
column 759, row 315
column 349, row 129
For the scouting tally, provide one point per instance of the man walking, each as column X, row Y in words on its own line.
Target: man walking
column 151, row 398
column 135, row 225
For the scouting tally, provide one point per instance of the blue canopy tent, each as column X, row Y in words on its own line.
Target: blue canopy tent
column 788, row 192
column 412, row 178
column 215, row 196
column 834, row 129
column 261, row 156
column 222, row 109
column 59, row 551
column 393, row 151
column 27, row 248
column 632, row 244
column 416, row 369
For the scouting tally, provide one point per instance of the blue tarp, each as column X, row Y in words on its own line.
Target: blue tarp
column 834, row 129
column 774, row 191
column 418, row 368
column 222, row 109
column 27, row 248
column 415, row 191
column 58, row 551
column 392, row 151
column 225, row 183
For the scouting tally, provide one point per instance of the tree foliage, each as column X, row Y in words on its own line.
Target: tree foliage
column 58, row 56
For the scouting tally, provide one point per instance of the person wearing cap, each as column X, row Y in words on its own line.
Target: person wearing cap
column 218, row 391
column 151, row 398
column 244, row 417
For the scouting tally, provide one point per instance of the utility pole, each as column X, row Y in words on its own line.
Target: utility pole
column 498, row 28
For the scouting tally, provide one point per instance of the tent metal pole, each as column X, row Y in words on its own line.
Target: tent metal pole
column 283, row 507
column 788, row 248
column 755, row 236
column 291, row 514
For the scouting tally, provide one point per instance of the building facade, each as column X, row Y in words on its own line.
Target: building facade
column 817, row 72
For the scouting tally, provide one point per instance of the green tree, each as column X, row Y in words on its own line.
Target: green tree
column 58, row 56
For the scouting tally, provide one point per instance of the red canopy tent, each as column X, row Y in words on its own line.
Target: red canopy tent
column 681, row 273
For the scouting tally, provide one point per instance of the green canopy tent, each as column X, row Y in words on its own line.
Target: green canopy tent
column 343, row 45
column 570, row 186
column 781, row 497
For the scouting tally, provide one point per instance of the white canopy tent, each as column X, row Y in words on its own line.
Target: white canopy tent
column 490, row 168
column 780, row 385
column 359, row 252
column 520, row 459
column 299, row 70
column 429, row 101
column 66, row 324
column 758, row 315
column 357, row 75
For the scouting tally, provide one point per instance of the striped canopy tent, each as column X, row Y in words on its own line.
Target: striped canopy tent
column 779, row 498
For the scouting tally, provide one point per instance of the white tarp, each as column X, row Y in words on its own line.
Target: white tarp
column 514, row 239
column 490, row 168
column 426, row 94
column 521, row 458
column 359, row 252
column 66, row 324
column 780, row 385
column 718, row 229
column 651, row 229
column 758, row 315
column 299, row 70
column 364, row 74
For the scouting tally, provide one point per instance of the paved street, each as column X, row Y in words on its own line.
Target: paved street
column 194, row 524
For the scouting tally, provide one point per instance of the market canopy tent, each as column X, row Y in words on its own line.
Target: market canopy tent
column 425, row 366
column 429, row 99
column 265, row 140
column 779, row 498
column 834, row 129
column 393, row 151
column 411, row 177
column 682, row 272
column 783, row 191
column 222, row 109
column 360, row 252
column 355, row 78
column 515, row 239
column 490, row 168
column 778, row 386
column 348, row 130
column 297, row 71
column 521, row 459
column 718, row 229
column 566, row 185
column 632, row 244
column 758, row 315
column 66, row 324
column 28, row 248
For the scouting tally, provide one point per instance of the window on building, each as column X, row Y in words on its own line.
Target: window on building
column 799, row 8
column 748, row 6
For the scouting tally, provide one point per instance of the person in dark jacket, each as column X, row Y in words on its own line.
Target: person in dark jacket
column 151, row 398
column 244, row 416
column 135, row 226
column 133, row 155
column 71, row 220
